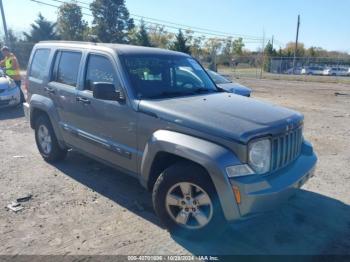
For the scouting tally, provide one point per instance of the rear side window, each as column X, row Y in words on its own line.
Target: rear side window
column 67, row 67
column 39, row 63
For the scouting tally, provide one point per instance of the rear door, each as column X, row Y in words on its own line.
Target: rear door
column 38, row 71
column 63, row 88
column 107, row 128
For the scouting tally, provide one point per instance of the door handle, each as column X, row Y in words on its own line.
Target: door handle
column 50, row 90
column 83, row 100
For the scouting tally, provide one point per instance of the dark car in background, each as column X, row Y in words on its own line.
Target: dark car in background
column 228, row 85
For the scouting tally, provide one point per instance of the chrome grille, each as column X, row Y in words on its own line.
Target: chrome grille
column 286, row 148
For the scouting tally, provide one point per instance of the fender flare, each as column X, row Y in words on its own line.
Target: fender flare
column 214, row 158
column 46, row 105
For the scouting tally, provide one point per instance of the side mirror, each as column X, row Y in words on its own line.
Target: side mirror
column 106, row 91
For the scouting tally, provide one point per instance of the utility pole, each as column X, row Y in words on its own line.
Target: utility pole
column 4, row 23
column 272, row 41
column 262, row 54
column 296, row 44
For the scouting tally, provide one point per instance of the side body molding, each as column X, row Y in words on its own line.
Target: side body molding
column 45, row 104
column 212, row 157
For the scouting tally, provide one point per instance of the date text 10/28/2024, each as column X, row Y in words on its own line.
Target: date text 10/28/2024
column 173, row 258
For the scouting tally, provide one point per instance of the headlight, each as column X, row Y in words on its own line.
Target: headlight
column 260, row 155
column 12, row 84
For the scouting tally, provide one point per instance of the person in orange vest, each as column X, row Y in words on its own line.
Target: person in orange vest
column 11, row 66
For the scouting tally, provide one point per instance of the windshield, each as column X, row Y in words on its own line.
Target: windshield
column 159, row 76
column 218, row 79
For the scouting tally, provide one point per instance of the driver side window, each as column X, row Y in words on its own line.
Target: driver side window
column 99, row 69
column 186, row 78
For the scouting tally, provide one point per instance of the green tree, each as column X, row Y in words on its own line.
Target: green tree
column 269, row 52
column 237, row 46
column 41, row 30
column 70, row 23
column 112, row 21
column 180, row 43
column 142, row 37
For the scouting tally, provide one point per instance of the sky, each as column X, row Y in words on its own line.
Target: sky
column 324, row 23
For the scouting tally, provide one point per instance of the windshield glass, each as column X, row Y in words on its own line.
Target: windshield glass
column 158, row 76
column 218, row 79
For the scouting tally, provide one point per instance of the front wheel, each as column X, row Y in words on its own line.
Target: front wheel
column 186, row 201
column 46, row 140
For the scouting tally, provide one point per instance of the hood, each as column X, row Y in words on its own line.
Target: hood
column 225, row 115
column 235, row 88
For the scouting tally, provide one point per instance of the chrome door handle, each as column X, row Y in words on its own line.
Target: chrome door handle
column 50, row 90
column 83, row 100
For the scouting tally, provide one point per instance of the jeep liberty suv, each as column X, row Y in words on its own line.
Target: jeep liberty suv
column 206, row 155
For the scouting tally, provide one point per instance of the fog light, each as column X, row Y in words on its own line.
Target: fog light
column 239, row 170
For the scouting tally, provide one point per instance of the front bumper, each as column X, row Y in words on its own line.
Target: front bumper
column 10, row 97
column 263, row 193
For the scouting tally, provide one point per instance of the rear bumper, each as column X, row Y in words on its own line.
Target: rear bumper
column 265, row 193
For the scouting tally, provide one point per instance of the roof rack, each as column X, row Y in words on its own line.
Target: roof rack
column 68, row 42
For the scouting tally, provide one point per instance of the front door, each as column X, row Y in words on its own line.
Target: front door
column 107, row 128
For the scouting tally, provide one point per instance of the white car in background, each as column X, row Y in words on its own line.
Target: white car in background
column 336, row 71
column 312, row 70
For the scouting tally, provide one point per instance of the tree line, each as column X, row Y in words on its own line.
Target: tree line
column 112, row 23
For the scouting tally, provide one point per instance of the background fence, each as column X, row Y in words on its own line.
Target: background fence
column 258, row 66
column 284, row 65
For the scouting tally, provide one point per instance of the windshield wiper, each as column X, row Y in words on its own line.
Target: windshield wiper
column 171, row 94
column 203, row 90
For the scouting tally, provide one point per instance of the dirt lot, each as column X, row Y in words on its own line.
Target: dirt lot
column 82, row 207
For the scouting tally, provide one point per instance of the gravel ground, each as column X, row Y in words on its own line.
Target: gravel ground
column 82, row 207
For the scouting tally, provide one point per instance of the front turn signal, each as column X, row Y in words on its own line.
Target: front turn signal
column 237, row 194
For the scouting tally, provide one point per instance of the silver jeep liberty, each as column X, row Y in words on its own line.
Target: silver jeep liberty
column 207, row 156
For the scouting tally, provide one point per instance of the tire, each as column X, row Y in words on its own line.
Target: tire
column 168, row 183
column 52, row 152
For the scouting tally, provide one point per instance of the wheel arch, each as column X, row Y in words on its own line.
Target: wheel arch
column 166, row 148
column 40, row 105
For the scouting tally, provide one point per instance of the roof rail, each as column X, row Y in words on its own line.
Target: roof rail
column 68, row 42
